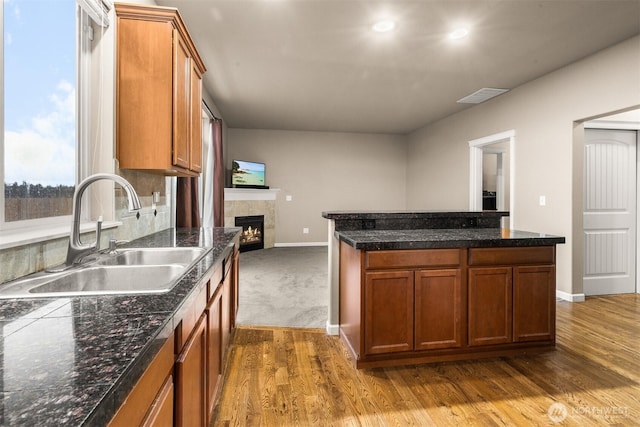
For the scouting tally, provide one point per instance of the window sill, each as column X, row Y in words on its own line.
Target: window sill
column 13, row 238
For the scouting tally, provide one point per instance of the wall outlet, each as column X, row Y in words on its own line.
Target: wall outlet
column 288, row 198
column 305, row 230
column 543, row 201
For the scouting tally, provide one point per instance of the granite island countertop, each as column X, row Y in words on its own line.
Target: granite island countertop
column 444, row 238
column 72, row 361
column 409, row 220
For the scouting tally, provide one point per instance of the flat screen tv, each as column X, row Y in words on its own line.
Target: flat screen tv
column 248, row 174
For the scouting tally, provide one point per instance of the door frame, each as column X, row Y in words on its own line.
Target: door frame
column 615, row 125
column 475, row 169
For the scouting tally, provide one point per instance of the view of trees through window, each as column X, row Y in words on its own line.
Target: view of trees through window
column 39, row 108
column 31, row 201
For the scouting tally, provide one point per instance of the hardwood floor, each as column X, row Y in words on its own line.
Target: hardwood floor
column 302, row 377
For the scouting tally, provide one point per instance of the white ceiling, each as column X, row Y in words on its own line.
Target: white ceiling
column 316, row 64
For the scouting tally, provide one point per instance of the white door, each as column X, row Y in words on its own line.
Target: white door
column 609, row 212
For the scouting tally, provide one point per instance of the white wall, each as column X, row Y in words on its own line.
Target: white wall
column 323, row 171
column 542, row 113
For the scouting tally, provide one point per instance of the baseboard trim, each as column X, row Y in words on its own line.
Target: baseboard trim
column 332, row 329
column 570, row 297
column 291, row 245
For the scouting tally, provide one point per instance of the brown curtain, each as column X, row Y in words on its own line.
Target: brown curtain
column 188, row 208
column 218, row 175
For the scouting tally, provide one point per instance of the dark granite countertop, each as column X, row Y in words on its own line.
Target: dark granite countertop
column 351, row 215
column 411, row 220
column 444, row 238
column 72, row 361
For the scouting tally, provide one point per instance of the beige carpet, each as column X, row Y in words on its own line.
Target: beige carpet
column 284, row 287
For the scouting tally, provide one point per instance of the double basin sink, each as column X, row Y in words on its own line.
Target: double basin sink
column 130, row 271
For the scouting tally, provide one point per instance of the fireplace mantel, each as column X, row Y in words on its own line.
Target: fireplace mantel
column 231, row 194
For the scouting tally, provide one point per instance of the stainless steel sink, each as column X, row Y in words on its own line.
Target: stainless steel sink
column 153, row 256
column 131, row 271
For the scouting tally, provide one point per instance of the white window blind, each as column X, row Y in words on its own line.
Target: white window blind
column 98, row 10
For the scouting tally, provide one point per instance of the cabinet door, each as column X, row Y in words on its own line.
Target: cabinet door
column 438, row 309
column 214, row 350
column 195, row 102
column 191, row 408
column 534, row 302
column 226, row 313
column 235, row 286
column 388, row 311
column 490, row 306
column 144, row 98
column 181, row 105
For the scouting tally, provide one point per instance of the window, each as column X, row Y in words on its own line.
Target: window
column 46, row 81
column 206, row 177
column 39, row 108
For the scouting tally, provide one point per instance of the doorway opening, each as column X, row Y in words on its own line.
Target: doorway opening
column 495, row 176
column 491, row 173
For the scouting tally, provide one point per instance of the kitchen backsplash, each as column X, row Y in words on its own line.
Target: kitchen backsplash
column 23, row 260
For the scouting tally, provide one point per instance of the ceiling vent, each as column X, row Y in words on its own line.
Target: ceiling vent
column 481, row 95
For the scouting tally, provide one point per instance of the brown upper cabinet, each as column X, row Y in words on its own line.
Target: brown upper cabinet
column 158, row 92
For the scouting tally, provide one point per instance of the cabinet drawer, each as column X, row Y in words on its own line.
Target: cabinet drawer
column 511, row 256
column 192, row 312
column 214, row 282
column 412, row 258
column 161, row 413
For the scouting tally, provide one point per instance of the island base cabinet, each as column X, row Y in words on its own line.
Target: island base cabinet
column 410, row 306
column 511, row 304
column 413, row 310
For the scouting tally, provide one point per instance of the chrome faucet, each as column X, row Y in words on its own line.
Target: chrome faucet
column 77, row 250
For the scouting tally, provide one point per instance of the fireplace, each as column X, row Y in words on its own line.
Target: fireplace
column 252, row 236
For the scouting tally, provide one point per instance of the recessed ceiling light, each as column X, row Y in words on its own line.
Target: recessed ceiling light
column 459, row 33
column 384, row 26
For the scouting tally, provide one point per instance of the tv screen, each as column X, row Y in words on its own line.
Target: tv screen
column 247, row 174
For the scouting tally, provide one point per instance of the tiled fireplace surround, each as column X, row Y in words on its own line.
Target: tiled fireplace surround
column 245, row 202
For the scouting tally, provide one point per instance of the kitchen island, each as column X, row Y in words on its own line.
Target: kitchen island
column 76, row 361
column 413, row 295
